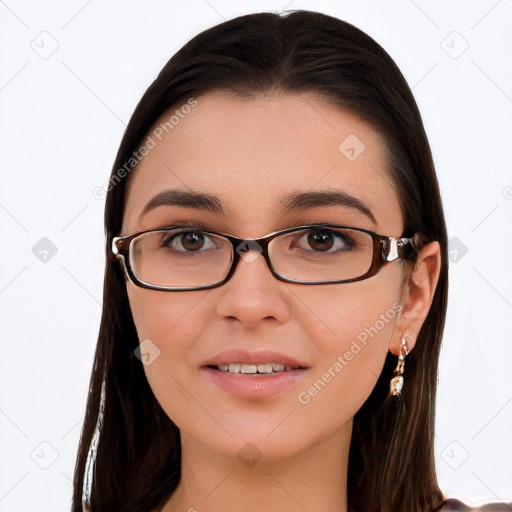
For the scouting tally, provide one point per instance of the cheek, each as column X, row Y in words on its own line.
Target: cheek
column 172, row 321
column 335, row 315
column 351, row 327
column 166, row 316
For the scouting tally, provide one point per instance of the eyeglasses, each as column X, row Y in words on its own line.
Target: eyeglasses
column 193, row 258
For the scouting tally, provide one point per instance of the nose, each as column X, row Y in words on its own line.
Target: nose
column 253, row 294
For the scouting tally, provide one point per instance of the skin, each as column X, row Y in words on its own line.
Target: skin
column 249, row 152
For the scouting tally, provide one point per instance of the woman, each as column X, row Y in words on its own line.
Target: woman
column 276, row 284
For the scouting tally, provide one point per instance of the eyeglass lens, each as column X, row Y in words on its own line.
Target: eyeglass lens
column 184, row 258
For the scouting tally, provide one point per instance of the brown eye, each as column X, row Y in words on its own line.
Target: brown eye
column 192, row 241
column 187, row 242
column 320, row 241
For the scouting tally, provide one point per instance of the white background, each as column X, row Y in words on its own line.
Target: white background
column 62, row 118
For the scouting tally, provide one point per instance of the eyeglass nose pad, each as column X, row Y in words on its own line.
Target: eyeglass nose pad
column 249, row 250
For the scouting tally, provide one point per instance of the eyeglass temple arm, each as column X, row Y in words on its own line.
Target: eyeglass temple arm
column 115, row 250
column 400, row 248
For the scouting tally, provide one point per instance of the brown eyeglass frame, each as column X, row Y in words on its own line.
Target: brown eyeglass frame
column 385, row 250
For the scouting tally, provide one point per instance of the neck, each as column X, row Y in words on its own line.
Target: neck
column 314, row 479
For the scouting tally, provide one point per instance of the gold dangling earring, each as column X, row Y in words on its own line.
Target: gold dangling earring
column 397, row 382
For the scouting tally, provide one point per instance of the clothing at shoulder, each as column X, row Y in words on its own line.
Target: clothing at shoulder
column 454, row 505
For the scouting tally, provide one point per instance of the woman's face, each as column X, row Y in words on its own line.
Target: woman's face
column 250, row 154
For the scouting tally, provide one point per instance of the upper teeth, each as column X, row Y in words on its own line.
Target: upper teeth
column 253, row 368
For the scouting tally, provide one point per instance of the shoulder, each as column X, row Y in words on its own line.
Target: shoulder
column 455, row 505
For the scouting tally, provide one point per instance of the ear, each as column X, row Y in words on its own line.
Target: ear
column 417, row 295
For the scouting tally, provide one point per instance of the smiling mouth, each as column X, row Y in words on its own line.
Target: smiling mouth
column 253, row 369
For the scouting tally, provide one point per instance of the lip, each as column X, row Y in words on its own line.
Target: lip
column 254, row 387
column 259, row 357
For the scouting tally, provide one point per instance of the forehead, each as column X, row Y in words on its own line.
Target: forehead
column 252, row 153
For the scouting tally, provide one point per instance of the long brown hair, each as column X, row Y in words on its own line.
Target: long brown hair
column 391, row 463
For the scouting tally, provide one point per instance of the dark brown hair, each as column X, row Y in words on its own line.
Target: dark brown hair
column 391, row 463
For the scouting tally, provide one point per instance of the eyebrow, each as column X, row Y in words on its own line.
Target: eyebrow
column 305, row 200
column 292, row 202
